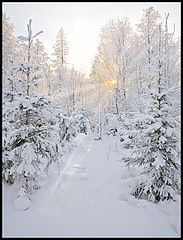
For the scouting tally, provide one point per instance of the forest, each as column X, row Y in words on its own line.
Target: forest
column 132, row 95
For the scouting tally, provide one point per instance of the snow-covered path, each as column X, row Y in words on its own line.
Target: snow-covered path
column 92, row 200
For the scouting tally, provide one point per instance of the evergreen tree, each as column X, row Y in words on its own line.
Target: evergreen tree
column 156, row 146
column 28, row 143
column 60, row 50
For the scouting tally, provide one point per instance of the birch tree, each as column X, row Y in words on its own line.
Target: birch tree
column 147, row 28
column 116, row 57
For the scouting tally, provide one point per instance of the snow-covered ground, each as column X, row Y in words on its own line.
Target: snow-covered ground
column 91, row 197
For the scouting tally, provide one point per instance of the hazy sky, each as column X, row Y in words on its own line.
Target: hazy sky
column 82, row 22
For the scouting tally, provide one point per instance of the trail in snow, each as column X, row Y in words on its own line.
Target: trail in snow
column 94, row 200
column 68, row 162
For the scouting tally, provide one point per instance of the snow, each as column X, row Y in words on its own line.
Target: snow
column 159, row 160
column 91, row 196
column 22, row 203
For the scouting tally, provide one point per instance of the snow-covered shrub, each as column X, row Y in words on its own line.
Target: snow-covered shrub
column 112, row 124
column 69, row 127
column 83, row 123
column 122, row 127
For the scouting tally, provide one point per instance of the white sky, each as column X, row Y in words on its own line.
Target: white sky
column 82, row 23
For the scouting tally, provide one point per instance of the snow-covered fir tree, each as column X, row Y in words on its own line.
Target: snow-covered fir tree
column 60, row 50
column 28, row 139
column 157, row 143
column 30, row 130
